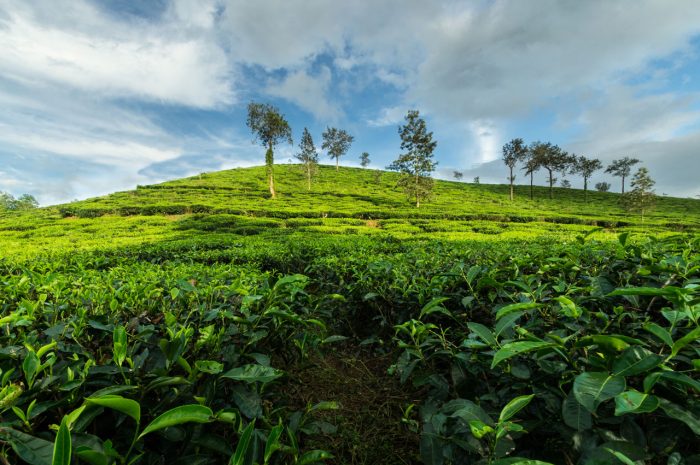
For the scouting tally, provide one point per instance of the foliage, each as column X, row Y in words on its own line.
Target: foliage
column 514, row 152
column 622, row 168
column 585, row 167
column 177, row 323
column 565, row 184
column 364, row 160
column 457, row 175
column 416, row 164
column 307, row 156
column 23, row 202
column 337, row 142
column 552, row 158
column 641, row 198
column 602, row 186
column 270, row 128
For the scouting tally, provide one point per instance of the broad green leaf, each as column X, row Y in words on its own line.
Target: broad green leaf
column 593, row 388
column 119, row 344
column 503, row 311
column 574, row 414
column 34, row 451
column 516, row 348
column 506, row 322
column 273, row 441
column 93, row 457
column 682, row 414
column 121, row 404
column 635, row 402
column 209, row 366
column 661, row 333
column 620, row 456
column 609, row 343
column 192, row 413
column 568, row 307
column 675, row 377
column 314, row 456
column 514, row 406
column 238, row 456
column 650, row 291
column 62, row 445
column 253, row 373
column 483, row 332
column 435, row 306
column 635, row 360
column 692, row 336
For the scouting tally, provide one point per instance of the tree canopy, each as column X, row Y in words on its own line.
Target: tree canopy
column 514, row 152
column 622, row 168
column 416, row 163
column 307, row 156
column 337, row 142
column 269, row 128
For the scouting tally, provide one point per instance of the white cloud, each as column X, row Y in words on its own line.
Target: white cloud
column 389, row 116
column 309, row 92
column 119, row 60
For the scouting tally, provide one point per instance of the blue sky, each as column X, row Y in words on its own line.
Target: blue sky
column 99, row 96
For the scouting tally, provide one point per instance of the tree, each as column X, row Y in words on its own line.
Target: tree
column 565, row 184
column 336, row 142
column 270, row 128
column 364, row 159
column 553, row 159
column 514, row 152
column 457, row 174
column 586, row 167
column 622, row 168
column 602, row 186
column 307, row 156
column 416, row 164
column 641, row 198
column 476, row 180
column 23, row 202
column 532, row 162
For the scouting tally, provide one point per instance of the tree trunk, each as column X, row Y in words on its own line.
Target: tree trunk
column 337, row 159
column 623, row 184
column 511, row 183
column 308, row 176
column 585, row 190
column 269, row 161
column 551, row 184
column 532, row 175
column 417, row 194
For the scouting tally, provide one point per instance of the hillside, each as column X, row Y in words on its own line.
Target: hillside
column 354, row 201
column 344, row 326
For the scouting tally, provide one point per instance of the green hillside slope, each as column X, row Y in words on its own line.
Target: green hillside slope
column 342, row 325
column 355, row 201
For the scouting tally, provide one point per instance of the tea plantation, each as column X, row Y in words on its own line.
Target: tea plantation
column 200, row 322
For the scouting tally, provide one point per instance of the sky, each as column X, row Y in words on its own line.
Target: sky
column 100, row 96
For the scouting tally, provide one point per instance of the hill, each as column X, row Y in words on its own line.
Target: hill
column 199, row 322
column 355, row 201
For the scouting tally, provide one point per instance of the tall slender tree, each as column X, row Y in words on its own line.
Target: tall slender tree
column 586, row 167
column 307, row 156
column 416, row 164
column 535, row 154
column 336, row 142
column 641, row 198
column 269, row 128
column 554, row 160
column 622, row 168
column 514, row 152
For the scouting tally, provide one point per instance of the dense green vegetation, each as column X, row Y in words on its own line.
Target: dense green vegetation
column 197, row 321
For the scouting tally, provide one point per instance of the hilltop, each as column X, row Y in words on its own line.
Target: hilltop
column 348, row 201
